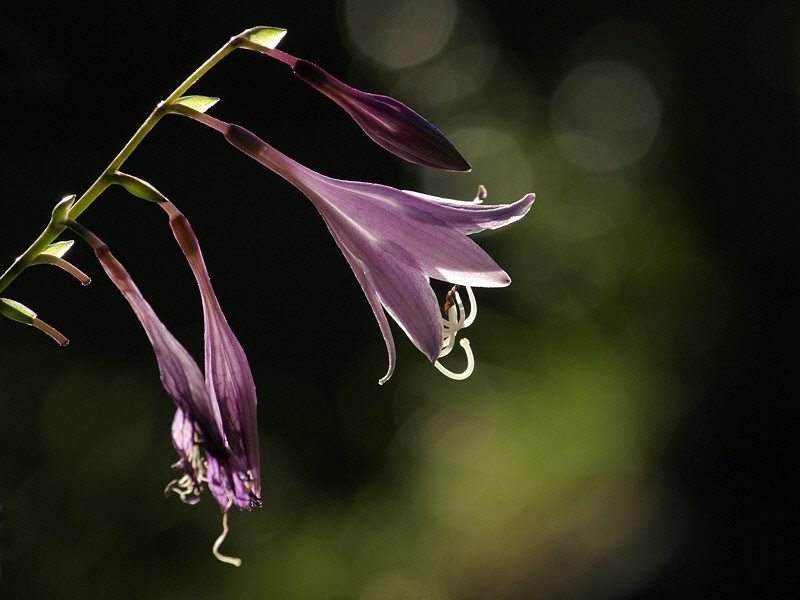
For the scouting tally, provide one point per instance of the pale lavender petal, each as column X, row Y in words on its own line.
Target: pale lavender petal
column 408, row 297
column 389, row 277
column 427, row 230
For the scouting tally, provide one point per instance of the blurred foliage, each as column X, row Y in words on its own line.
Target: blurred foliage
column 541, row 476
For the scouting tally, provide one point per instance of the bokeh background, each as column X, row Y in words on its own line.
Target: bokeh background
column 626, row 434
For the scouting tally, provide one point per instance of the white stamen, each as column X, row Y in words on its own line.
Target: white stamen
column 457, row 319
column 473, row 307
column 467, row 371
column 231, row 560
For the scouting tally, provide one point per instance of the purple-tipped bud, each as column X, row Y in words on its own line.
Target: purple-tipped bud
column 390, row 123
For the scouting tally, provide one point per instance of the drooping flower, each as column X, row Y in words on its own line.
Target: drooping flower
column 395, row 241
column 390, row 123
column 213, row 441
column 230, row 383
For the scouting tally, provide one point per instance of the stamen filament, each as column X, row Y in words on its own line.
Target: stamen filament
column 467, row 371
column 473, row 307
column 457, row 318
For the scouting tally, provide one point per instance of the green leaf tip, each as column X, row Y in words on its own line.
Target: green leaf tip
column 16, row 311
column 58, row 249
column 198, row 103
column 267, row 37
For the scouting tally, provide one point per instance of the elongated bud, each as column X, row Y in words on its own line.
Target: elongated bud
column 16, row 311
column 52, row 255
column 388, row 122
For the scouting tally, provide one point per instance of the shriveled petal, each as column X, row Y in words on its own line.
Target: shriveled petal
column 189, row 486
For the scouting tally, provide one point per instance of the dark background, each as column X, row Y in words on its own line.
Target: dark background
column 76, row 79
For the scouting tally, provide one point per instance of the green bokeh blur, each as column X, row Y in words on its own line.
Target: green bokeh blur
column 547, row 474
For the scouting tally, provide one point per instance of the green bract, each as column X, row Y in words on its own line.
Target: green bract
column 267, row 37
column 138, row 187
column 61, row 211
column 58, row 249
column 198, row 103
column 16, row 311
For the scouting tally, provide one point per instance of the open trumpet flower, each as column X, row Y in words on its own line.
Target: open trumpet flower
column 395, row 241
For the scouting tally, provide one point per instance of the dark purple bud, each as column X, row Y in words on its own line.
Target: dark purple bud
column 390, row 123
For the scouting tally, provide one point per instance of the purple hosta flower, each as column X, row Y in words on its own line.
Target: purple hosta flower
column 205, row 422
column 390, row 123
column 229, row 382
column 395, row 241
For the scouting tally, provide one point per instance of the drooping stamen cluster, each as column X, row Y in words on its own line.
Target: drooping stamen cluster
column 457, row 319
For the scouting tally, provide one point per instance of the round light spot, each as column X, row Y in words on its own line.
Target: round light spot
column 605, row 116
column 397, row 35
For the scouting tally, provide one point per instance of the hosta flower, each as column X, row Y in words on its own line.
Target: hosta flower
column 390, row 123
column 229, row 381
column 214, row 425
column 395, row 241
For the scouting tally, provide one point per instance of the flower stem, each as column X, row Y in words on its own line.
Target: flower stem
column 53, row 230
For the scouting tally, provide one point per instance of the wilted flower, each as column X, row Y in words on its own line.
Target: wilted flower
column 390, row 123
column 395, row 241
column 229, row 382
column 213, row 417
